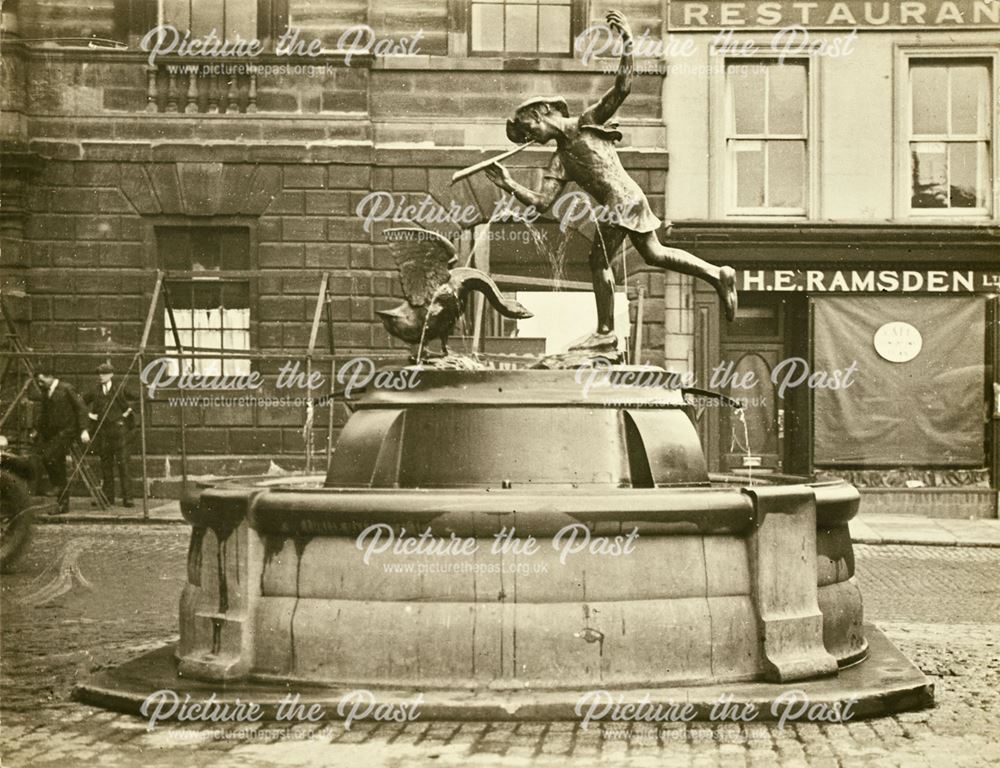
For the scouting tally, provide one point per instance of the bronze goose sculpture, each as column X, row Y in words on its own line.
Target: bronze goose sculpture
column 435, row 291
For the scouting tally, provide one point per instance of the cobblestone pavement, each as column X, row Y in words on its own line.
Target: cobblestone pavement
column 97, row 595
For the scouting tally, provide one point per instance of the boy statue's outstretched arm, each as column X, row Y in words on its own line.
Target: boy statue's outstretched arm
column 541, row 199
column 604, row 109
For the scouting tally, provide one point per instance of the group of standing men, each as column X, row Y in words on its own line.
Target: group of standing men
column 65, row 417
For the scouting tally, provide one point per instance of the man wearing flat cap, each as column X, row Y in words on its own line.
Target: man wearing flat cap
column 585, row 154
column 112, row 416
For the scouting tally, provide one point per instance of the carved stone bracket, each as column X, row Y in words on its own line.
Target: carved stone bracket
column 783, row 576
column 219, row 601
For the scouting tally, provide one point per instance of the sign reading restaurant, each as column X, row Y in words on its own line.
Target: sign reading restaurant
column 869, row 280
column 692, row 15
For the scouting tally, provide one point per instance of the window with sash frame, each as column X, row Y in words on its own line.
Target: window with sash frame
column 767, row 137
column 521, row 27
column 211, row 310
column 263, row 20
column 227, row 18
column 949, row 117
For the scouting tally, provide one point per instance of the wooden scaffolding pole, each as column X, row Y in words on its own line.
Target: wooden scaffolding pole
column 333, row 373
column 79, row 456
column 313, row 333
column 150, row 314
column 639, row 318
column 17, row 398
column 180, row 361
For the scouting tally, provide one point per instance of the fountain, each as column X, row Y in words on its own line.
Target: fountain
column 504, row 543
column 405, row 570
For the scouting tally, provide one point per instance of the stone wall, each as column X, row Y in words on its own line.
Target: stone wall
column 93, row 259
column 101, row 153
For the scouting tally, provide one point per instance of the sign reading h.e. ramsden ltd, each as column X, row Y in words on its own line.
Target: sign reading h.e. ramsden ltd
column 869, row 280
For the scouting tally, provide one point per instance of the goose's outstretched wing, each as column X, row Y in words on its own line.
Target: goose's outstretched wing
column 423, row 258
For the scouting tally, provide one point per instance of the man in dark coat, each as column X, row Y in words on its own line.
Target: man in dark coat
column 112, row 416
column 61, row 419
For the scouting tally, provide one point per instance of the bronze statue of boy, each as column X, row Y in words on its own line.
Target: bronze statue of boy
column 585, row 154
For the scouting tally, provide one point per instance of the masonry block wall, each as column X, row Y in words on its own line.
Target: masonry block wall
column 109, row 167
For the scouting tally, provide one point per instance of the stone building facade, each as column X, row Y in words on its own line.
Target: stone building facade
column 843, row 157
column 115, row 168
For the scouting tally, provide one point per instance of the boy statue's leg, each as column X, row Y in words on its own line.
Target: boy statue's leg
column 607, row 241
column 723, row 279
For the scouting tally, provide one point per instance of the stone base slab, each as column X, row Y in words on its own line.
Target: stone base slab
column 884, row 683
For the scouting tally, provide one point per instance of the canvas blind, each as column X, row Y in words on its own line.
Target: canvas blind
column 927, row 411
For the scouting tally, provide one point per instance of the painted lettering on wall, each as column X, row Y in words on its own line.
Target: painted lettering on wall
column 860, row 14
column 869, row 280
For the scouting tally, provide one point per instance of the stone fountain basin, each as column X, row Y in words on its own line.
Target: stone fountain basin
column 678, row 608
column 742, row 585
column 285, row 564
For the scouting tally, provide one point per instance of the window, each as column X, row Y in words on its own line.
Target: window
column 949, row 141
column 767, row 137
column 521, row 26
column 260, row 19
column 227, row 18
column 212, row 312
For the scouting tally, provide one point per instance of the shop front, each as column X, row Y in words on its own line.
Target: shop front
column 869, row 355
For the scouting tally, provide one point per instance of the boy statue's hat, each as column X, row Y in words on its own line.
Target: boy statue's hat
column 105, row 368
column 553, row 101
column 515, row 131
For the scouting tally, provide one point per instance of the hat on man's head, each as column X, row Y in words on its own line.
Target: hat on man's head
column 105, row 368
column 515, row 130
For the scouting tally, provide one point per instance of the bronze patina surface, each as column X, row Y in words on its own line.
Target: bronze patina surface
column 435, row 289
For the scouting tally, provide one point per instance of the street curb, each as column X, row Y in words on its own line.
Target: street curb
column 928, row 543
column 106, row 520
column 156, row 509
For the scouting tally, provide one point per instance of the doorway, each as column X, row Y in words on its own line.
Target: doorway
column 768, row 430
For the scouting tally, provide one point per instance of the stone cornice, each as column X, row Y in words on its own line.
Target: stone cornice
column 851, row 232
column 348, row 152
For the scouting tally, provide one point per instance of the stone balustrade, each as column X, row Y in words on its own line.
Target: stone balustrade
column 201, row 89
